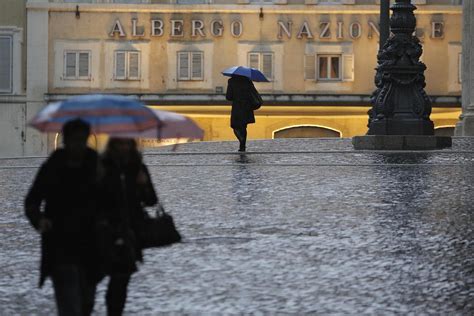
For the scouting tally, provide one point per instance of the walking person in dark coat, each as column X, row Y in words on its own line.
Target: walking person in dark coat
column 126, row 189
column 67, row 182
column 238, row 91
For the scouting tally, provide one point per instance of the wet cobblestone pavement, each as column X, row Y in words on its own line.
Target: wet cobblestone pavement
column 292, row 227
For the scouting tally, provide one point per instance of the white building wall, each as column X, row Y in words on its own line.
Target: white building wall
column 37, row 77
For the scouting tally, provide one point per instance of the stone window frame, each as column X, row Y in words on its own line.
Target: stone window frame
column 325, row 2
column 104, row 1
column 77, row 75
column 170, row 76
column 311, row 67
column 190, row 67
column 415, row 2
column 127, row 76
column 8, row 64
column 16, row 64
column 329, row 58
column 261, row 55
column 454, row 67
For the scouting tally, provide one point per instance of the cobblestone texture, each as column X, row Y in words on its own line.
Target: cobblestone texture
column 293, row 233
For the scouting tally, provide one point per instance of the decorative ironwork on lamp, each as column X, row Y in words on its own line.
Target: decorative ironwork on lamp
column 400, row 105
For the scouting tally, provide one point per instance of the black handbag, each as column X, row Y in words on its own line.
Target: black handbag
column 159, row 231
column 256, row 100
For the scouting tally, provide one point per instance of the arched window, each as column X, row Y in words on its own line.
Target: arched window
column 306, row 131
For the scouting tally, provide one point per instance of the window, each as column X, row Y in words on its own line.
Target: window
column 262, row 62
column 329, row 67
column 127, row 65
column 190, row 66
column 192, row 1
column 6, row 64
column 330, row 2
column 261, row 1
column 127, row 1
column 76, row 65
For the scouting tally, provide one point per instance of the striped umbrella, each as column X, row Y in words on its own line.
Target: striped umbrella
column 174, row 125
column 107, row 114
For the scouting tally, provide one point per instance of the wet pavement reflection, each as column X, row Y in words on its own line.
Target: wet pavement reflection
column 276, row 231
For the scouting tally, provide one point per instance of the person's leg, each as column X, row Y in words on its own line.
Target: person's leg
column 241, row 134
column 117, row 294
column 243, row 140
column 88, row 289
column 237, row 134
column 67, row 289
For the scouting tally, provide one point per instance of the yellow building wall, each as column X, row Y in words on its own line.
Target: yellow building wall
column 349, row 121
column 95, row 24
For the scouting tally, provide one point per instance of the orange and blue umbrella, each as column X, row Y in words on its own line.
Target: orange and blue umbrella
column 107, row 114
column 251, row 73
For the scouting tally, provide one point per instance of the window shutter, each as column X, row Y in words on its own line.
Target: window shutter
column 254, row 60
column 5, row 64
column 309, row 67
column 70, row 71
column 133, row 65
column 197, row 69
column 84, row 65
column 267, row 67
column 348, row 67
column 120, row 65
column 183, row 66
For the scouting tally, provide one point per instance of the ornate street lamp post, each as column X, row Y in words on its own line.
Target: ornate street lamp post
column 384, row 22
column 400, row 105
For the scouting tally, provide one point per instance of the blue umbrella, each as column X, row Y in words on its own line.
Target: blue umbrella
column 251, row 73
column 105, row 113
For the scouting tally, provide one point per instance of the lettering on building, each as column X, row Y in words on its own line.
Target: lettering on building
column 284, row 29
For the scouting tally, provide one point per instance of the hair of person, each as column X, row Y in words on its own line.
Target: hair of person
column 111, row 149
column 75, row 126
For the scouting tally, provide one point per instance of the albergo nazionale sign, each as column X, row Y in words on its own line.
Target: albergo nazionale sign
column 177, row 28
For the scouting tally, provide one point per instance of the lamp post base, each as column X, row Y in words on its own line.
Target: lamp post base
column 403, row 126
column 401, row 142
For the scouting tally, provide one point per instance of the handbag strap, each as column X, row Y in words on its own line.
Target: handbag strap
column 160, row 211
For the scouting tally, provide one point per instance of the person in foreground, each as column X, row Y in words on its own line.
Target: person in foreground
column 126, row 189
column 239, row 89
column 68, row 184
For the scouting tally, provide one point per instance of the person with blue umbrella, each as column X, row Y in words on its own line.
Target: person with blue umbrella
column 245, row 99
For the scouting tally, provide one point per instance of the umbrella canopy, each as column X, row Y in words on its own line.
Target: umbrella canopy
column 251, row 73
column 105, row 113
column 173, row 125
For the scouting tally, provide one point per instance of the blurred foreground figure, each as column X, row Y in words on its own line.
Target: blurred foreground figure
column 126, row 189
column 68, row 184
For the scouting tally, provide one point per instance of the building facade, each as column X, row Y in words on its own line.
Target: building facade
column 319, row 56
column 12, row 77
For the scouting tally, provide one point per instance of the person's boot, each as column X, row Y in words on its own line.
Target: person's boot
column 242, row 147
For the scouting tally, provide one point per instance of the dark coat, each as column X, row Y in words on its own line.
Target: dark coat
column 238, row 91
column 70, row 196
column 123, row 200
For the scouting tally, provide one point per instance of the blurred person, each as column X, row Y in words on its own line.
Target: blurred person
column 67, row 183
column 126, row 190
